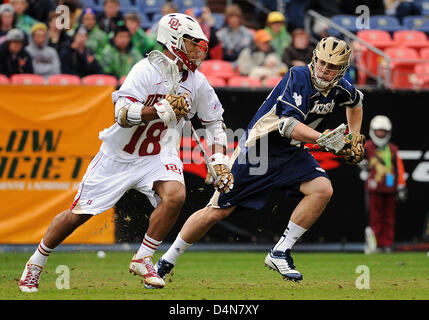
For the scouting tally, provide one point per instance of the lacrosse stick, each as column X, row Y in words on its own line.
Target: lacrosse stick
column 170, row 73
column 333, row 140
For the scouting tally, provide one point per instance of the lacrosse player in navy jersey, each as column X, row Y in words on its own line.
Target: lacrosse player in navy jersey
column 287, row 120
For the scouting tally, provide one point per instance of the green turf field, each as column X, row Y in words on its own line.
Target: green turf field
column 225, row 276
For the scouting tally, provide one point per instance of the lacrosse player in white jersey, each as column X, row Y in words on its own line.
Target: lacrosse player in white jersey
column 139, row 151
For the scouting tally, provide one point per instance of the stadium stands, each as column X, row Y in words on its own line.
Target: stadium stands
column 403, row 62
column 217, row 81
column 64, row 79
column 246, row 82
column 184, row 4
column 272, row 82
column 410, row 38
column 26, row 78
column 370, row 60
column 384, row 22
column 4, row 79
column 150, row 6
column 420, row 79
column 419, row 23
column 218, row 68
column 100, row 80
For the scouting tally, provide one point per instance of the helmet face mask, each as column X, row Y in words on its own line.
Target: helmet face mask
column 332, row 55
column 183, row 37
column 191, row 51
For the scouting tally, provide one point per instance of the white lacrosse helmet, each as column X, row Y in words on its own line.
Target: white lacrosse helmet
column 380, row 123
column 171, row 29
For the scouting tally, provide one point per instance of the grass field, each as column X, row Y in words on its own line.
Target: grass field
column 225, row 276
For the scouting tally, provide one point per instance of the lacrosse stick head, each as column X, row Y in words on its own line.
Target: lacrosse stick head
column 168, row 69
column 334, row 140
column 176, row 28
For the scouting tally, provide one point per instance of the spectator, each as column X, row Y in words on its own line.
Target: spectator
column 167, row 8
column 276, row 26
column 300, row 52
column 14, row 58
column 109, row 18
column 257, row 54
column 97, row 38
column 78, row 59
column 57, row 38
column 295, row 12
column 119, row 56
column 385, row 184
column 141, row 41
column 206, row 21
column 40, row 9
column 403, row 8
column 7, row 20
column 326, row 8
column 45, row 59
column 24, row 21
column 234, row 37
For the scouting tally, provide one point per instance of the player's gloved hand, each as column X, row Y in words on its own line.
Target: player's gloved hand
column 353, row 151
column 179, row 104
column 165, row 111
column 402, row 193
column 224, row 180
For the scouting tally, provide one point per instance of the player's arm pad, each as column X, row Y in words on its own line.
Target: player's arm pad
column 128, row 113
column 286, row 126
column 215, row 132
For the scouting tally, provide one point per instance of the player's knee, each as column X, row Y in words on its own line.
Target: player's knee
column 325, row 191
column 215, row 215
column 174, row 197
column 73, row 219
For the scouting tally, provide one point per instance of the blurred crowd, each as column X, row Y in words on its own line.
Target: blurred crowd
column 36, row 39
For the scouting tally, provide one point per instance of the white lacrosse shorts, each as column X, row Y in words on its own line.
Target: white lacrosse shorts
column 106, row 180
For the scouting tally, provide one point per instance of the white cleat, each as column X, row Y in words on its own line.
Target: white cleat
column 282, row 262
column 29, row 281
column 144, row 267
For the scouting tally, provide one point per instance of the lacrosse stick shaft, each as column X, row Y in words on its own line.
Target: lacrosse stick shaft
column 206, row 159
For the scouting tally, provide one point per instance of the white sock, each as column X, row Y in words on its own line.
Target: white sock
column 148, row 247
column 292, row 233
column 178, row 247
column 41, row 255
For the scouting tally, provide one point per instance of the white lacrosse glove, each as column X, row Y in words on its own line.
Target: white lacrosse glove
column 224, row 180
column 165, row 111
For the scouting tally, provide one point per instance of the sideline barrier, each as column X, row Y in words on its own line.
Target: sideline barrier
column 48, row 136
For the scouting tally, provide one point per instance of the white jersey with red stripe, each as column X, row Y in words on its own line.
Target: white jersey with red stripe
column 145, row 84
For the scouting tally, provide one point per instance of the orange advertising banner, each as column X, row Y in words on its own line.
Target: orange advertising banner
column 48, row 136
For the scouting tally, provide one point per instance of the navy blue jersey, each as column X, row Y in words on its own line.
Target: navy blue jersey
column 284, row 164
column 295, row 96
